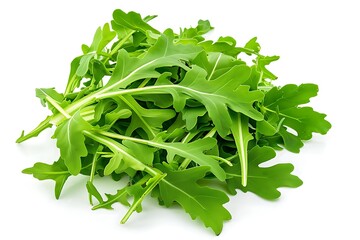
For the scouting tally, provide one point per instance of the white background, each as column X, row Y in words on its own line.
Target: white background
column 318, row 42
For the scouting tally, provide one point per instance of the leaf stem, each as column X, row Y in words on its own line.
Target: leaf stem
column 149, row 188
column 119, row 45
column 57, row 106
column 116, row 147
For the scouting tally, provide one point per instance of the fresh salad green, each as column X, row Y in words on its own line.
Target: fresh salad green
column 174, row 115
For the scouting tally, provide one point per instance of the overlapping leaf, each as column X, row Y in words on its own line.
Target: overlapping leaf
column 171, row 114
column 71, row 142
column 217, row 95
column 263, row 181
column 163, row 53
column 199, row 202
column 284, row 105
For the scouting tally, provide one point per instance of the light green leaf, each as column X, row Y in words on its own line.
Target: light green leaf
column 263, row 181
column 150, row 120
column 121, row 196
column 57, row 172
column 113, row 164
column 253, row 45
column 93, row 192
column 106, row 37
column 283, row 104
column 43, row 93
column 71, row 142
column 84, row 64
column 262, row 62
column 163, row 54
column 240, row 132
column 217, row 95
column 133, row 20
column 193, row 150
column 199, row 202
column 140, row 151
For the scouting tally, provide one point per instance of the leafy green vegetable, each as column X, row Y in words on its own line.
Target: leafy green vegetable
column 263, row 181
column 171, row 113
column 56, row 171
column 71, row 142
column 202, row 202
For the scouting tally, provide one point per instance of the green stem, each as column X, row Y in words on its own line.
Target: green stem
column 280, row 114
column 149, row 188
column 115, row 147
column 143, row 84
column 35, row 132
column 224, row 160
column 70, row 86
column 57, row 106
column 119, row 45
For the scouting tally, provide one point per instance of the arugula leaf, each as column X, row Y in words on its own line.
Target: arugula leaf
column 240, row 132
column 163, row 53
column 150, row 120
column 199, row 202
column 49, row 94
column 57, row 172
column 132, row 20
column 71, row 142
column 282, row 104
column 262, row 62
column 193, row 151
column 170, row 114
column 253, row 45
column 217, row 95
column 263, row 181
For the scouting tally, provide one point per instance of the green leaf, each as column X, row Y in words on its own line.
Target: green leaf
column 140, row 151
column 133, row 20
column 128, row 159
column 150, row 120
column 101, row 38
column 106, row 37
column 262, row 62
column 263, row 181
column 71, row 142
column 194, row 35
column 284, row 103
column 217, row 95
column 44, row 93
column 253, row 45
column 57, row 172
column 194, row 151
column 84, row 64
column 113, row 164
column 94, row 192
column 163, row 54
column 121, row 196
column 190, row 116
column 139, row 193
column 240, row 132
column 199, row 202
column 223, row 45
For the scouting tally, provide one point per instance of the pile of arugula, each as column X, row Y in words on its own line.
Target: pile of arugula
column 172, row 114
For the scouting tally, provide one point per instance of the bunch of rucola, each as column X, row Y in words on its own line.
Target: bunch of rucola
column 174, row 115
